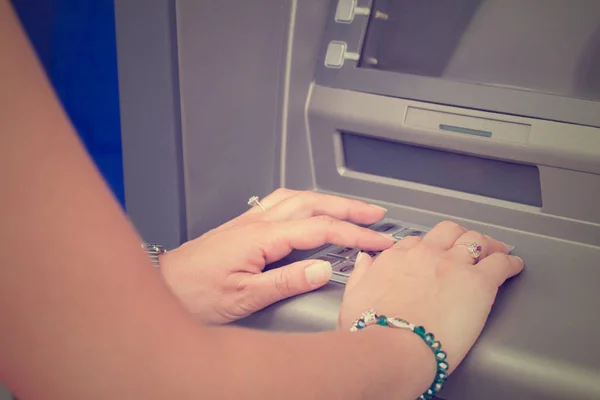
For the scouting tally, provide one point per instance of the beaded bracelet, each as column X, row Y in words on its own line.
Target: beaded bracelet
column 371, row 318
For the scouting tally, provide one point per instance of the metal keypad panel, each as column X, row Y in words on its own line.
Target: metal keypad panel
column 342, row 259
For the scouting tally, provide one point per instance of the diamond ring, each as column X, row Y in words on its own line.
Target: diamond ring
column 474, row 249
column 255, row 201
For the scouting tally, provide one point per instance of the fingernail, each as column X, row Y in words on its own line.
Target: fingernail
column 519, row 259
column 387, row 236
column 318, row 273
column 379, row 207
column 359, row 257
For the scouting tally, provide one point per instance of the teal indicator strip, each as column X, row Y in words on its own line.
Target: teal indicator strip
column 467, row 131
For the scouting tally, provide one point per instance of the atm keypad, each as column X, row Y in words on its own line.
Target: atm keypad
column 342, row 259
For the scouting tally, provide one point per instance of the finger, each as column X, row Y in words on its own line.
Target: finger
column 407, row 243
column 499, row 267
column 280, row 238
column 273, row 199
column 310, row 204
column 444, row 234
column 362, row 264
column 291, row 280
column 485, row 244
column 254, row 213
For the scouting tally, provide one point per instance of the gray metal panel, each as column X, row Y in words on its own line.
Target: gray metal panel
column 571, row 193
column 554, row 108
column 308, row 27
column 251, row 124
column 148, row 88
column 231, row 66
column 332, row 110
column 469, row 95
column 539, row 341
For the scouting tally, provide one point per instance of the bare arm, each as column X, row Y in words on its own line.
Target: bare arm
column 83, row 314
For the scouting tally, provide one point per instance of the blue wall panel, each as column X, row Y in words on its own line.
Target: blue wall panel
column 75, row 40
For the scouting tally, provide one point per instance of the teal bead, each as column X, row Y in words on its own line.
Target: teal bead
column 436, row 345
column 438, row 382
column 441, row 377
column 429, row 338
column 436, row 387
column 429, row 393
column 421, row 397
column 440, row 355
column 360, row 324
column 382, row 320
column 419, row 330
column 443, row 366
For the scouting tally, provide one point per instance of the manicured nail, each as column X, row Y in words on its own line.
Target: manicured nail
column 379, row 207
column 387, row 236
column 359, row 257
column 318, row 273
column 519, row 259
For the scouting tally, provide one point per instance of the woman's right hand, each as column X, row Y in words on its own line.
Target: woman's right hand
column 433, row 282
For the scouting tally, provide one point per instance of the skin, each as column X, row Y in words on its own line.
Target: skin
column 232, row 285
column 89, row 317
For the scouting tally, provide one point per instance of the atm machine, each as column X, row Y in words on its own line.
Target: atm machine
column 484, row 112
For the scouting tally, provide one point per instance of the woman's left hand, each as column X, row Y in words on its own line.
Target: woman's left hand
column 219, row 276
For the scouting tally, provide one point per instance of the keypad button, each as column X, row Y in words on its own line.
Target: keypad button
column 334, row 57
column 344, row 268
column 398, row 235
column 410, row 232
column 371, row 253
column 332, row 260
column 344, row 252
column 344, row 13
column 388, row 228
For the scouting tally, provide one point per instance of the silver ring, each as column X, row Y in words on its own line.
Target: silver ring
column 255, row 201
column 474, row 249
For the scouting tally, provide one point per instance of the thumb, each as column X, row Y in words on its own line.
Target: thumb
column 293, row 279
column 362, row 264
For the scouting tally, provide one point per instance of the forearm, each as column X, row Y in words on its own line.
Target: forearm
column 375, row 363
column 169, row 358
column 186, row 363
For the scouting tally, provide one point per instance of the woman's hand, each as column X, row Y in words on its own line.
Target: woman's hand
column 433, row 282
column 218, row 276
